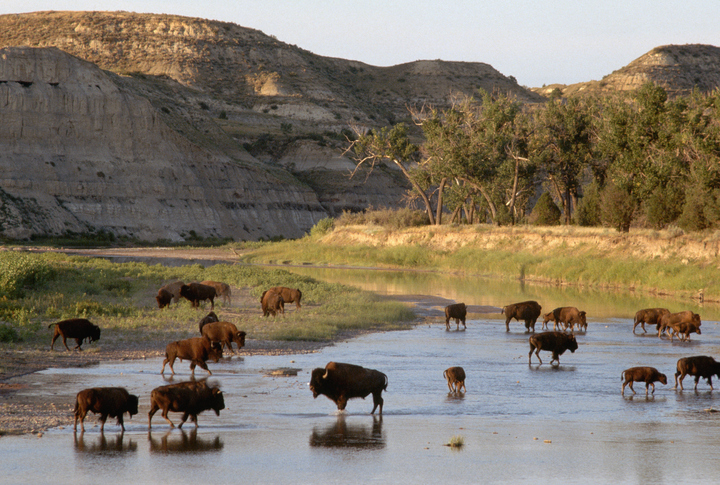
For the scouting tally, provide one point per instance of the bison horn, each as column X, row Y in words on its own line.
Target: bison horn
column 327, row 371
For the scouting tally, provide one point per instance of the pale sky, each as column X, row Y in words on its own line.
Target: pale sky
column 539, row 42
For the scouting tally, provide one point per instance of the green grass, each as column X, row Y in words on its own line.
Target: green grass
column 38, row 289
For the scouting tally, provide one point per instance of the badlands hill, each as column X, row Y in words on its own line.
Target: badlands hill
column 679, row 69
column 161, row 127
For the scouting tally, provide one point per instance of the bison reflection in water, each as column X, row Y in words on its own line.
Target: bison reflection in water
column 343, row 435
column 102, row 444
column 172, row 442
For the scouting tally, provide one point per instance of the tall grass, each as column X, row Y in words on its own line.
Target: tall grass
column 120, row 298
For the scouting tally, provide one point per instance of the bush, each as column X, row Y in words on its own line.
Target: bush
column 693, row 214
column 545, row 212
column 662, row 207
column 388, row 218
column 323, row 227
column 20, row 271
column 617, row 208
column 8, row 334
column 588, row 212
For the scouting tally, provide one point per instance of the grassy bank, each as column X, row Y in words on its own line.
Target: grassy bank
column 652, row 261
column 38, row 289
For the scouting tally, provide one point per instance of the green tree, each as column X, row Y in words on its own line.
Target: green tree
column 546, row 212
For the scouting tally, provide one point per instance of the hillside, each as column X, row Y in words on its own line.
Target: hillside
column 679, row 69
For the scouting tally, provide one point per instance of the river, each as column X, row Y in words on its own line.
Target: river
column 520, row 423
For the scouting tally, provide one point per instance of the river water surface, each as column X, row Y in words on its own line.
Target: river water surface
column 520, row 423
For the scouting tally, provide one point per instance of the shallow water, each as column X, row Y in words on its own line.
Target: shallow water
column 273, row 431
column 520, row 423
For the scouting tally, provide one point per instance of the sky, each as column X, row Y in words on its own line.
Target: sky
column 538, row 42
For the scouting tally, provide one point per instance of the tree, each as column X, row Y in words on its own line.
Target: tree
column 560, row 146
column 391, row 144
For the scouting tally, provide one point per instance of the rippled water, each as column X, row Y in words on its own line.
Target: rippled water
column 520, row 423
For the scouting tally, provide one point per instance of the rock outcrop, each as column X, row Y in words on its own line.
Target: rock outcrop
column 79, row 153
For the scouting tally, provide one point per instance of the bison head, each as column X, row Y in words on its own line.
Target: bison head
column 218, row 401
column 572, row 343
column 132, row 405
column 663, row 378
column 317, row 380
column 94, row 333
column 240, row 338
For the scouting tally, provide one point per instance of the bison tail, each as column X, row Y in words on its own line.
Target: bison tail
column 503, row 310
column 386, row 383
column 49, row 326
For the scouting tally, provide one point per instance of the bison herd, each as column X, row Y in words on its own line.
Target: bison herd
column 557, row 341
column 341, row 381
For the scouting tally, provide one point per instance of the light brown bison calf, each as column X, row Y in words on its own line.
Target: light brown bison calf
column 75, row 328
column 458, row 312
column 221, row 289
column 289, row 295
column 224, row 333
column 197, row 350
column 190, row 398
column 698, row 366
column 105, row 401
column 272, row 303
column 648, row 375
column 455, row 378
column 684, row 329
column 671, row 320
column 568, row 317
column 651, row 316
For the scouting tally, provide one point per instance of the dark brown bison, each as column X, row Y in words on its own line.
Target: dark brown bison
column 289, row 295
column 648, row 375
column 105, row 401
column 77, row 328
column 169, row 293
column 272, row 303
column 221, row 289
column 651, row 316
column 568, row 317
column 455, row 378
column 225, row 333
column 197, row 350
column 698, row 366
column 190, row 398
column 195, row 293
column 340, row 382
column 527, row 311
column 671, row 320
column 209, row 318
column 555, row 342
column 457, row 311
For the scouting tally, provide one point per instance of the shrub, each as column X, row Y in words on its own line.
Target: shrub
column 388, row 218
column 588, row 212
column 545, row 212
column 617, row 208
column 20, row 271
column 323, row 227
column 8, row 334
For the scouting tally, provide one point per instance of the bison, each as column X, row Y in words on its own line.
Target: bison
column 225, row 333
column 221, row 289
column 289, row 295
column 209, row 318
column 197, row 350
column 340, row 382
column 568, row 317
column 527, row 311
column 648, row 375
column 547, row 318
column 671, row 321
column 190, row 398
column 698, row 366
column 105, row 401
column 77, row 328
column 555, row 342
column 272, row 303
column 458, row 311
column 455, row 378
column 196, row 292
column 684, row 329
column 169, row 293
column 651, row 316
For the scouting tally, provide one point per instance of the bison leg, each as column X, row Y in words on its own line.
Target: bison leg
column 377, row 401
column 507, row 323
column 170, row 362
column 537, row 353
column 647, row 385
column 79, row 343
column 121, row 422
column 165, row 415
column 153, row 409
column 450, row 385
column 202, row 365
column 65, row 343
column 54, row 339
column 103, row 418
column 682, row 376
column 710, row 381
